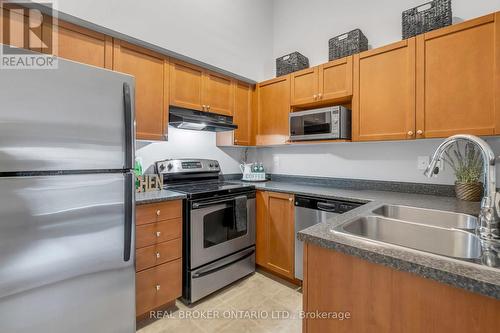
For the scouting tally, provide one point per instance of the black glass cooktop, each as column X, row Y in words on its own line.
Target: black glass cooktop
column 207, row 189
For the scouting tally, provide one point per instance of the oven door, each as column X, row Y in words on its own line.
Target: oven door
column 217, row 230
column 312, row 125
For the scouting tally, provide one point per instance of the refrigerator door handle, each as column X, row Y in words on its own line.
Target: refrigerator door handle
column 129, row 127
column 129, row 215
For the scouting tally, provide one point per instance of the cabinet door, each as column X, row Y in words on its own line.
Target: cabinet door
column 15, row 31
column 218, row 94
column 458, row 79
column 335, row 79
column 273, row 111
column 280, row 233
column 304, row 86
column 384, row 93
column 151, row 93
column 186, row 84
column 261, row 229
column 243, row 113
column 79, row 44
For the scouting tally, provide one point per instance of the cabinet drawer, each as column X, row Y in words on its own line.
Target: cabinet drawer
column 154, row 233
column 158, row 212
column 157, row 286
column 158, row 254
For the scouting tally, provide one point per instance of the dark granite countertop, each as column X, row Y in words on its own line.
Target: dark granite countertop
column 472, row 276
column 157, row 196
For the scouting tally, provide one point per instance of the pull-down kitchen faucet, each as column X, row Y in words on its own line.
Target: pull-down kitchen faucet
column 488, row 228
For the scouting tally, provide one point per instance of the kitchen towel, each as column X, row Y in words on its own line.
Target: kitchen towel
column 240, row 213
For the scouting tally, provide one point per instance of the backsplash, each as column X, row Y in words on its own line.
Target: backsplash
column 388, row 161
column 190, row 144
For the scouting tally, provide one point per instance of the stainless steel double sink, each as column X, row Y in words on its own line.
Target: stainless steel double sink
column 440, row 232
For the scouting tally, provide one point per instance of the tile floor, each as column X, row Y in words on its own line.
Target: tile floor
column 257, row 303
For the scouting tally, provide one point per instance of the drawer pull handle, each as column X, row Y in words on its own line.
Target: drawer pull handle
column 157, row 255
column 157, row 287
column 158, row 212
column 158, row 233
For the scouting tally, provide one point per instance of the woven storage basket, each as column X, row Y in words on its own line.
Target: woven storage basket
column 346, row 44
column 469, row 191
column 426, row 17
column 291, row 63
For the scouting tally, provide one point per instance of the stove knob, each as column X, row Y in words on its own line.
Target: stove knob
column 216, row 164
column 211, row 165
column 169, row 166
column 162, row 167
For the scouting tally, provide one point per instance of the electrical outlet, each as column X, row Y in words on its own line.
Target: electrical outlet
column 423, row 162
column 276, row 163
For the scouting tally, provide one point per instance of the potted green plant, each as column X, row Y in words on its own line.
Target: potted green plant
column 467, row 164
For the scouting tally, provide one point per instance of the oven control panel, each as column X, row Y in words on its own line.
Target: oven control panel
column 187, row 166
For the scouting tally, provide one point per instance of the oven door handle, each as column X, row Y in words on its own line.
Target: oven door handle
column 197, row 205
column 212, row 269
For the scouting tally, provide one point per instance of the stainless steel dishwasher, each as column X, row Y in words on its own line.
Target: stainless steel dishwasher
column 313, row 210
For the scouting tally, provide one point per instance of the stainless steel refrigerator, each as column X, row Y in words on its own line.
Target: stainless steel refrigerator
column 66, row 200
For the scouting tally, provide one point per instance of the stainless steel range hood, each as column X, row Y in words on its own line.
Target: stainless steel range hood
column 199, row 121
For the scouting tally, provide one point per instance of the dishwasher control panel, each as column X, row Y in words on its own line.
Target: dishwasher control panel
column 327, row 205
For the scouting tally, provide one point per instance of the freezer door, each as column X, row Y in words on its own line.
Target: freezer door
column 75, row 117
column 63, row 246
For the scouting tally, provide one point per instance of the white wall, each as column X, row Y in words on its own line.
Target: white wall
column 306, row 26
column 393, row 161
column 191, row 144
column 234, row 35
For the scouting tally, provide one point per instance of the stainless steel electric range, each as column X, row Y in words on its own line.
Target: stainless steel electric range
column 218, row 228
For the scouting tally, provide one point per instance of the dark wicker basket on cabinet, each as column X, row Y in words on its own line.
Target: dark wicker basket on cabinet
column 426, row 17
column 291, row 63
column 346, row 44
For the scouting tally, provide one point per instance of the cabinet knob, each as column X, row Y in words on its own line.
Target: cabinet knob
column 410, row 133
column 320, row 95
column 158, row 233
column 208, row 107
column 290, row 199
column 157, row 255
column 420, row 132
column 204, row 107
column 158, row 287
column 315, row 96
column 158, row 212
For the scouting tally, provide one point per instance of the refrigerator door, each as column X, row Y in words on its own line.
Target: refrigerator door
column 75, row 117
column 66, row 263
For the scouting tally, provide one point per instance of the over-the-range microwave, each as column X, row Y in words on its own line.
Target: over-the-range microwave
column 333, row 122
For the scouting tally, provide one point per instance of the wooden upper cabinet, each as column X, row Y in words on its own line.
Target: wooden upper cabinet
column 335, row 79
column 458, row 79
column 304, row 86
column 329, row 82
column 275, row 242
column 186, row 84
column 273, row 110
column 243, row 113
column 195, row 88
column 383, row 106
column 218, row 94
column 151, row 87
column 78, row 44
column 14, row 29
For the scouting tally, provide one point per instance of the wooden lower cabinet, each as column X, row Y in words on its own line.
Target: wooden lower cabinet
column 158, row 286
column 275, row 244
column 158, row 255
column 382, row 299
